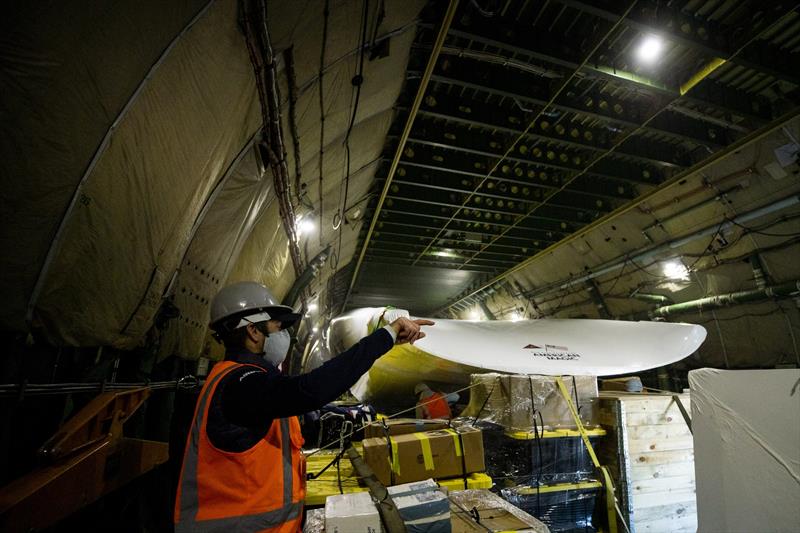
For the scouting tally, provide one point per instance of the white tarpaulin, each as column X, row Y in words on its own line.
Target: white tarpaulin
column 747, row 449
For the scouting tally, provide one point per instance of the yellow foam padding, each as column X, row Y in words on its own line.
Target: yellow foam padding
column 478, row 480
column 427, row 455
column 327, row 484
column 456, row 440
column 555, row 433
column 559, row 487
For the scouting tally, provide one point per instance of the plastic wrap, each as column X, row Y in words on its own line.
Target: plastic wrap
column 494, row 513
column 567, row 510
column 522, row 402
column 747, row 449
column 315, row 521
column 519, row 458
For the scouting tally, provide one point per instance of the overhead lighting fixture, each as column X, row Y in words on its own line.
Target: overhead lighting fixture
column 304, row 225
column 315, row 329
column 312, row 306
column 650, row 49
column 676, row 270
column 515, row 317
column 445, row 253
column 474, row 315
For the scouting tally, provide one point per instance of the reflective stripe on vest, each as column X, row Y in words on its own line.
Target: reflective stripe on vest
column 188, row 500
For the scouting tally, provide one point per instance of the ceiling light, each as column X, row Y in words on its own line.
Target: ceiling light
column 312, row 306
column 474, row 315
column 676, row 270
column 650, row 49
column 315, row 329
column 515, row 317
column 304, row 225
column 445, row 253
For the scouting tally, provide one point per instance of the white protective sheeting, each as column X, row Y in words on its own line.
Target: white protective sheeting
column 454, row 349
column 125, row 128
column 68, row 70
column 221, row 231
column 121, row 246
column 747, row 449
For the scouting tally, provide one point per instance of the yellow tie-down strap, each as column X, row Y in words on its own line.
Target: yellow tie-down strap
column 427, row 455
column 610, row 500
column 394, row 461
column 456, row 440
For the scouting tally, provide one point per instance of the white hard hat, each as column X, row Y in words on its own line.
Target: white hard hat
column 247, row 302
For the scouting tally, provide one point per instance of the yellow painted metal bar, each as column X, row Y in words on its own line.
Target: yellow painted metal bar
column 423, row 85
column 555, row 434
column 610, row 500
column 560, row 487
column 701, row 74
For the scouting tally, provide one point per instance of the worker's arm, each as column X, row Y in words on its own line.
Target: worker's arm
column 256, row 397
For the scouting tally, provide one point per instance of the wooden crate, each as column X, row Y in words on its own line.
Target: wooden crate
column 650, row 454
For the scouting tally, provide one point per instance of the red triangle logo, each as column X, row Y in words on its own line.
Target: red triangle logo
column 531, row 347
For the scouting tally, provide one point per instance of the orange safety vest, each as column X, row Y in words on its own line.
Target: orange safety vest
column 260, row 489
column 436, row 406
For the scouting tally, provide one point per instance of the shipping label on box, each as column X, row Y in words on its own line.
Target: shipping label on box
column 418, row 456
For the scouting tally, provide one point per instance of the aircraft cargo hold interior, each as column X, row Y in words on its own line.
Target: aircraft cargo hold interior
column 400, row 266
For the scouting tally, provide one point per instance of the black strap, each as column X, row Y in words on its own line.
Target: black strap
column 463, row 459
column 310, row 475
column 486, row 401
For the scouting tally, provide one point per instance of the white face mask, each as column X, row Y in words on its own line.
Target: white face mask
column 276, row 347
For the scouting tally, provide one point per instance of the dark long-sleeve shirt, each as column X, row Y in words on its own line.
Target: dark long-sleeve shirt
column 248, row 399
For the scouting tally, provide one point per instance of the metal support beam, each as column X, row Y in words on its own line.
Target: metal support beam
column 532, row 234
column 404, row 239
column 597, row 298
column 475, row 148
column 497, row 196
column 393, row 260
column 531, row 186
column 765, row 58
column 517, row 40
column 426, row 76
column 548, row 219
column 496, row 82
column 651, row 155
column 605, row 34
column 467, row 234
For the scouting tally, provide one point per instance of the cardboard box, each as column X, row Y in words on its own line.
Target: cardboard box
column 510, row 400
column 495, row 514
column 423, row 506
column 403, row 426
column 351, row 513
column 418, row 456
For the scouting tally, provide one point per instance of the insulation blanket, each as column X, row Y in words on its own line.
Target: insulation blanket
column 747, row 449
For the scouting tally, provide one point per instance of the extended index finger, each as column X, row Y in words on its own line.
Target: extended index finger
column 424, row 322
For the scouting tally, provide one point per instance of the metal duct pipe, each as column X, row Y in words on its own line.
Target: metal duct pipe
column 616, row 264
column 305, row 278
column 783, row 290
column 759, row 276
column 487, row 311
column 652, row 298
